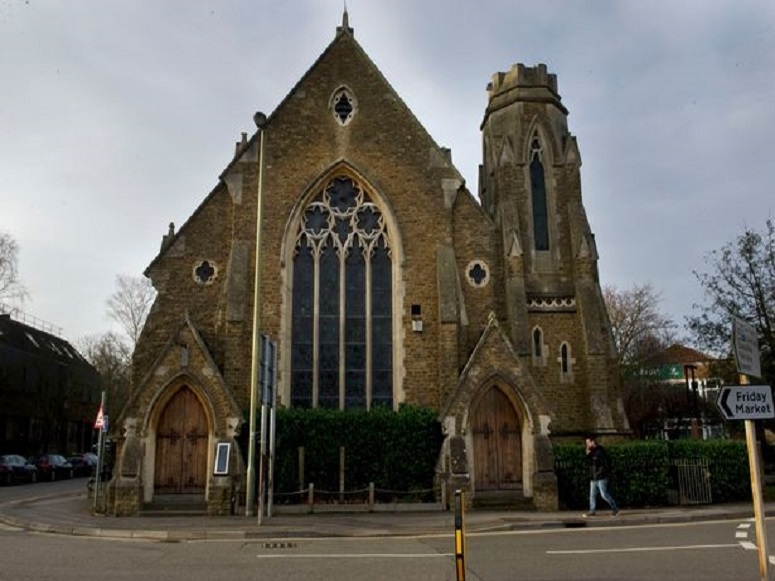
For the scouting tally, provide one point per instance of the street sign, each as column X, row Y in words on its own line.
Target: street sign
column 746, row 402
column 745, row 341
column 99, row 423
column 268, row 374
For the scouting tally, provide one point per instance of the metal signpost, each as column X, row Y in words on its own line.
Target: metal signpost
column 100, row 424
column 272, row 403
column 749, row 402
column 267, row 381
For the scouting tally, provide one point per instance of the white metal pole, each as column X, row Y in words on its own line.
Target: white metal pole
column 262, row 465
column 272, row 433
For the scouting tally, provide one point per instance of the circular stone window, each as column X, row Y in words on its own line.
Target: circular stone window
column 477, row 273
column 205, row 272
column 343, row 105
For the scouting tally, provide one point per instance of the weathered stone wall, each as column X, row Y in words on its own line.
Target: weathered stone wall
column 468, row 268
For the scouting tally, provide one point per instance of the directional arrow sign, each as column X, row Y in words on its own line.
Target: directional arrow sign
column 746, row 402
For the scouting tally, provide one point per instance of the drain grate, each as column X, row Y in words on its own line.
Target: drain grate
column 279, row 545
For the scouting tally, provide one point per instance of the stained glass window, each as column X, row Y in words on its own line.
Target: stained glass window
column 342, row 338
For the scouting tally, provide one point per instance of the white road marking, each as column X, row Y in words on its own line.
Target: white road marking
column 748, row 546
column 642, row 549
column 5, row 527
column 741, row 535
column 745, row 525
column 358, row 556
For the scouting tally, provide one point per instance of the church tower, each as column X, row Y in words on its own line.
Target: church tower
column 554, row 309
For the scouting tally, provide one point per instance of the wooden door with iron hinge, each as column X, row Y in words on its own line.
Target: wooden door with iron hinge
column 181, row 446
column 497, row 443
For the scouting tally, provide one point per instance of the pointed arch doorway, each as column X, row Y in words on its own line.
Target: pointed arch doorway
column 181, row 446
column 497, row 440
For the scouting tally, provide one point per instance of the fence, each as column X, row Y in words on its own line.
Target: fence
column 369, row 499
column 689, row 481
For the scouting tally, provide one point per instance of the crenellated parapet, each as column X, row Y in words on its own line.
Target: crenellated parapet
column 523, row 76
column 523, row 83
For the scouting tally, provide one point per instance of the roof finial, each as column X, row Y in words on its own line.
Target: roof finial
column 345, row 22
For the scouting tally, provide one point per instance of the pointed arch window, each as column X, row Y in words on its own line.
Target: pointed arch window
column 566, row 362
column 342, row 315
column 538, row 347
column 538, row 196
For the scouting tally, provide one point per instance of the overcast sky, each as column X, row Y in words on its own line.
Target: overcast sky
column 117, row 117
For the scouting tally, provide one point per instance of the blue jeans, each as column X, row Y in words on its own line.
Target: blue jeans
column 602, row 487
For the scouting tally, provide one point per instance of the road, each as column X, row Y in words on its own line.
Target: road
column 713, row 551
column 708, row 551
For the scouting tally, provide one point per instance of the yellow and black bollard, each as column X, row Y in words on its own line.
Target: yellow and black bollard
column 460, row 541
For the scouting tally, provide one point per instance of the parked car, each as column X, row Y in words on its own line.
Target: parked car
column 53, row 467
column 84, row 464
column 15, row 468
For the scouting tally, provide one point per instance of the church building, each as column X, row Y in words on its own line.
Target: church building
column 383, row 280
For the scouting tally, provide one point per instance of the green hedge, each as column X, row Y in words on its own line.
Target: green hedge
column 397, row 451
column 643, row 474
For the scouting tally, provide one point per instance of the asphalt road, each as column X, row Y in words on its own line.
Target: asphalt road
column 708, row 551
column 711, row 551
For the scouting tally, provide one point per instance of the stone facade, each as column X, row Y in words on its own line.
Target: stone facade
column 475, row 308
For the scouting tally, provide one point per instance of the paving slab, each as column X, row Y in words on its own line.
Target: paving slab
column 71, row 514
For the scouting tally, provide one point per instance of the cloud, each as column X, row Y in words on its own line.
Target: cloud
column 124, row 114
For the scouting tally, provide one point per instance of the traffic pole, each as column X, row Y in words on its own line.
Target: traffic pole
column 756, row 492
column 460, row 541
column 100, row 451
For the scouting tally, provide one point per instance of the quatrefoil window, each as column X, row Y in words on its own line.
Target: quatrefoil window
column 477, row 273
column 205, row 272
column 343, row 105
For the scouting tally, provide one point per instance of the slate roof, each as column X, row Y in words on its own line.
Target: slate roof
column 22, row 337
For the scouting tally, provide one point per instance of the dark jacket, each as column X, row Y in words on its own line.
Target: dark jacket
column 599, row 463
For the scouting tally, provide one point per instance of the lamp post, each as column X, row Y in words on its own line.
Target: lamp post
column 260, row 121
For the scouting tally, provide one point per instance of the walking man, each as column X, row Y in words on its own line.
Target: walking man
column 599, row 471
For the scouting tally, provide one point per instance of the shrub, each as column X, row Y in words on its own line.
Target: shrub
column 395, row 450
column 641, row 473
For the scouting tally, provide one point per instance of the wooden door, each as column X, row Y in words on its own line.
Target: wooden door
column 497, row 443
column 181, row 446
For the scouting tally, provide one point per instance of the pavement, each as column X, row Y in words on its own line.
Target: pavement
column 71, row 514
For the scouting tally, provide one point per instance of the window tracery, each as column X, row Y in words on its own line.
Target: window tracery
column 342, row 335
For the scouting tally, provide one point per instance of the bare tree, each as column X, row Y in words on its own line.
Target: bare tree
column 110, row 355
column 130, row 304
column 741, row 283
column 640, row 329
column 10, row 285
